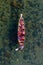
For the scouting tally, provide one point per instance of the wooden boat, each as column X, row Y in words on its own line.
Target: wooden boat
column 21, row 33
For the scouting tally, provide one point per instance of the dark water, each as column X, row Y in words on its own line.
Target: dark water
column 32, row 11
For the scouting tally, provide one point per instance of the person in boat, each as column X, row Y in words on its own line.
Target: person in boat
column 21, row 33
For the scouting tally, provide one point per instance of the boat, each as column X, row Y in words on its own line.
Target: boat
column 21, row 33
